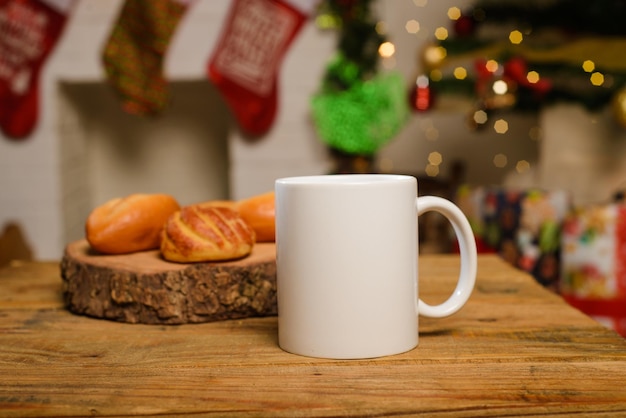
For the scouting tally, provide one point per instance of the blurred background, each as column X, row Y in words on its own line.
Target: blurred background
column 85, row 148
column 516, row 110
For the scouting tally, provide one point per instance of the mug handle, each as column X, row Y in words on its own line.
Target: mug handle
column 469, row 258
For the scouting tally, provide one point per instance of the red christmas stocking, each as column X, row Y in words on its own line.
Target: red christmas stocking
column 29, row 30
column 133, row 55
column 246, row 60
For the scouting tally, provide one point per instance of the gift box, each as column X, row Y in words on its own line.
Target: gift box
column 593, row 259
column 522, row 226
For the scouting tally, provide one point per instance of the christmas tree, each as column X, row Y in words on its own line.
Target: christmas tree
column 527, row 54
column 357, row 108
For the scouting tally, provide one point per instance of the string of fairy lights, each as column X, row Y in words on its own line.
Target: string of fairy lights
column 432, row 57
column 523, row 56
column 528, row 60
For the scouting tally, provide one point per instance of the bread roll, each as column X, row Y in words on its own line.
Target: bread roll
column 260, row 213
column 230, row 204
column 206, row 233
column 129, row 224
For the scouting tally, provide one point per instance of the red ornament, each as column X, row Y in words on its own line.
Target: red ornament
column 464, row 26
column 517, row 69
column 421, row 95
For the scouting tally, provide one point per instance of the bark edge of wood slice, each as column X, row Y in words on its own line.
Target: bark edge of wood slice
column 144, row 288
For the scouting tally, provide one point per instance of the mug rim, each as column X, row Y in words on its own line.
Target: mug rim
column 345, row 179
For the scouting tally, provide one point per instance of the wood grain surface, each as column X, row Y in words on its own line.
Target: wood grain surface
column 143, row 287
column 514, row 350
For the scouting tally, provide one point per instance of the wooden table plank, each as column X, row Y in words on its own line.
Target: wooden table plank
column 515, row 349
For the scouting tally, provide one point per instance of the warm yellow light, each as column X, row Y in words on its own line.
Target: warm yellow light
column 500, row 87
column 522, row 166
column 436, row 75
column 441, row 33
column 480, row 117
column 386, row 49
column 589, row 66
column 501, row 126
column 500, row 160
column 412, row 26
column 433, row 55
column 532, row 77
column 454, row 13
column 516, row 37
column 597, row 79
column 460, row 73
column 435, row 158
column 492, row 66
column 432, row 170
column 381, row 28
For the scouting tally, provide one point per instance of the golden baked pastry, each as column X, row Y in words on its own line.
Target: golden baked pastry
column 206, row 233
column 260, row 213
column 129, row 224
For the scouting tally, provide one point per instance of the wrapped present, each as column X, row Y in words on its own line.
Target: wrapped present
column 523, row 226
column 593, row 277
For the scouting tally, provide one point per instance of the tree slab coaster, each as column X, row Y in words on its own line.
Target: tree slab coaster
column 144, row 288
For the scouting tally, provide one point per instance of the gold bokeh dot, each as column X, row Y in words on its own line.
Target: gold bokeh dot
column 432, row 170
column 492, row 66
column 522, row 166
column 454, row 13
column 435, row 158
column 441, row 33
column 460, row 73
column 500, row 160
column 381, row 27
column 532, row 77
column 433, row 55
column 597, row 79
column 480, row 117
column 516, row 37
column 412, row 26
column 589, row 66
column 501, row 126
column 436, row 75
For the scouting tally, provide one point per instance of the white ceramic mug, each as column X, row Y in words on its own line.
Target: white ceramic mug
column 347, row 264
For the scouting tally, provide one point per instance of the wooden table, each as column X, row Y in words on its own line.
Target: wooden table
column 515, row 349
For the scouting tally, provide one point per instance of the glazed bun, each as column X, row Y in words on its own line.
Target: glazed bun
column 230, row 204
column 129, row 224
column 203, row 232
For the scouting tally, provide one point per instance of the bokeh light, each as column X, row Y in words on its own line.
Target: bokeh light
column 412, row 26
column 500, row 160
column 597, row 79
column 516, row 37
column 460, row 73
column 501, row 126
